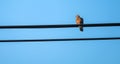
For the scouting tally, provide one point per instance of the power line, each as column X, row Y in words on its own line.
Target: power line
column 65, row 39
column 59, row 26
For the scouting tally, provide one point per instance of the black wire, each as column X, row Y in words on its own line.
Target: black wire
column 68, row 39
column 58, row 26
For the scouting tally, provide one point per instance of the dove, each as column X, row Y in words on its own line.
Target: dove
column 79, row 21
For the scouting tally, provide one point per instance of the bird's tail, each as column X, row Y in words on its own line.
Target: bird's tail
column 81, row 28
column 81, row 25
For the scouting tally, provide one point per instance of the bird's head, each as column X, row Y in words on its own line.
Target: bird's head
column 77, row 16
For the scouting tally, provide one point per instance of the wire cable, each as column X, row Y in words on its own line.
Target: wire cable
column 59, row 26
column 63, row 39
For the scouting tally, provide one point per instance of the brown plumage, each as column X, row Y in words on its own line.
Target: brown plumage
column 79, row 21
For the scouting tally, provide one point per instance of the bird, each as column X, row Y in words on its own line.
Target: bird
column 79, row 21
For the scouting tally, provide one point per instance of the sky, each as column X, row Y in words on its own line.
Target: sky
column 47, row 12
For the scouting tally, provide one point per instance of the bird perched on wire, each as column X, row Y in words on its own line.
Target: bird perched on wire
column 79, row 21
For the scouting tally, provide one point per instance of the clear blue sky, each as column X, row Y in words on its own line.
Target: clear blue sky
column 40, row 12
